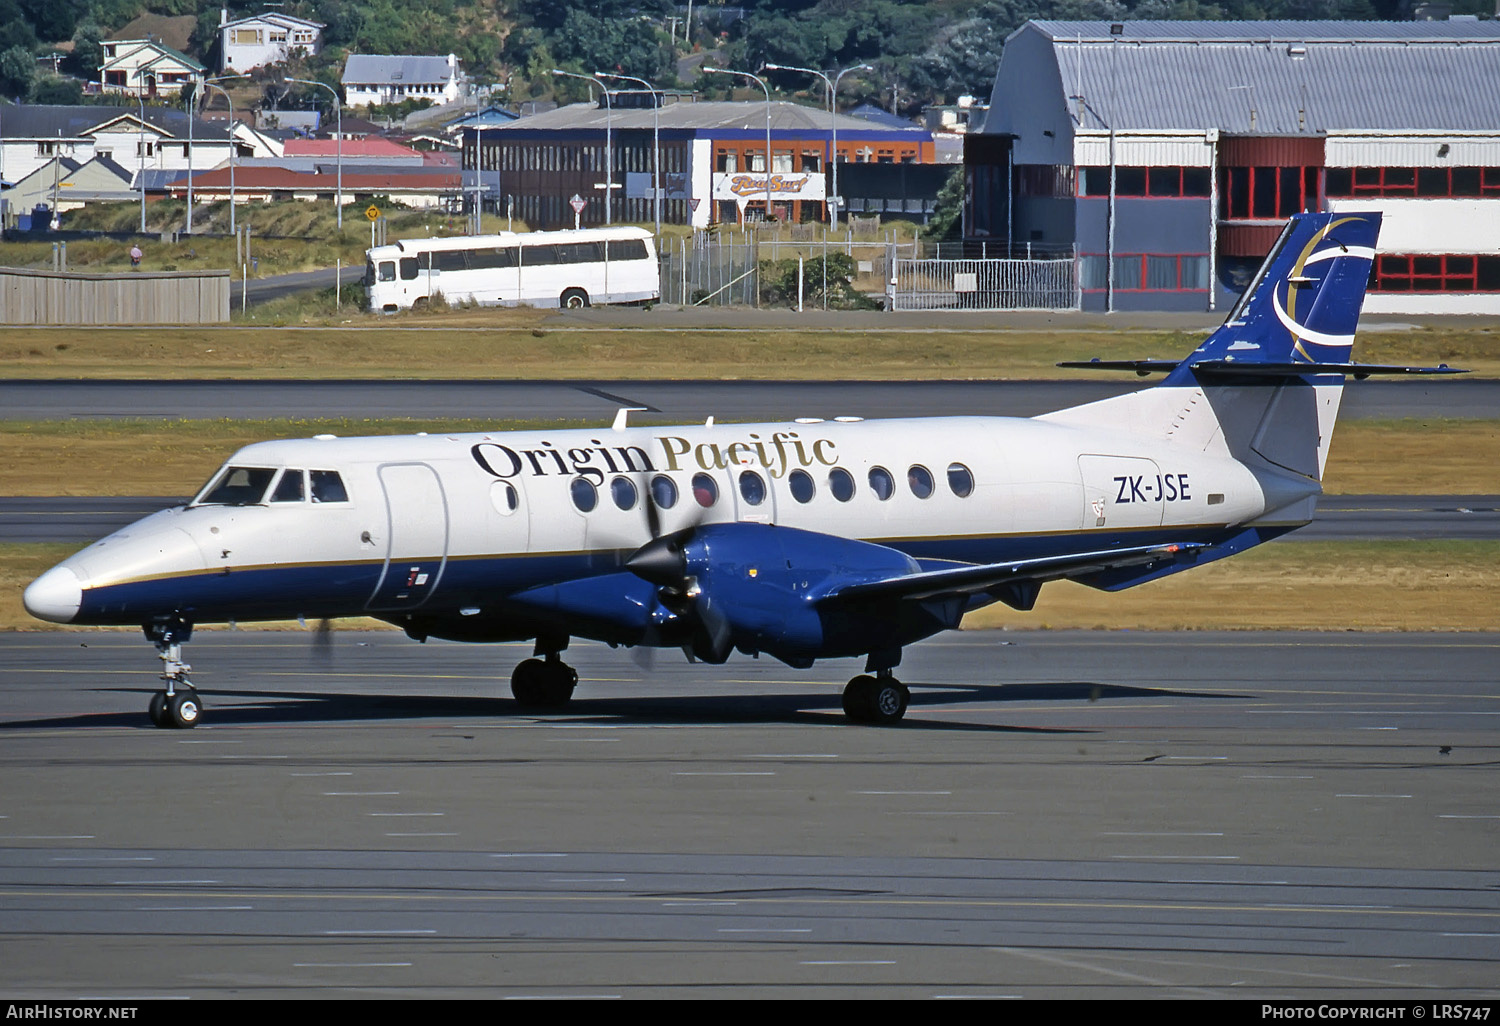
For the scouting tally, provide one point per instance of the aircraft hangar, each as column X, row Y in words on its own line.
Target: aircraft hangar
column 1167, row 154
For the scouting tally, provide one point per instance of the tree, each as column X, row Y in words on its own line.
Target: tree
column 17, row 72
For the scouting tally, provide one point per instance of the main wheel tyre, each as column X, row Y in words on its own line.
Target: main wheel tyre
column 157, row 710
column 574, row 299
column 875, row 700
column 184, row 709
column 526, row 682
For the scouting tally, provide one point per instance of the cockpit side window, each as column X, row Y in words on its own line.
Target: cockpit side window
column 238, row 486
column 327, row 486
column 289, row 488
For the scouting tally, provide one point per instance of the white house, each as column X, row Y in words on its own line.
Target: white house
column 145, row 67
column 31, row 136
column 371, row 79
column 268, row 38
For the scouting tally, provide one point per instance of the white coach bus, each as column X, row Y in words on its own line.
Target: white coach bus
column 566, row 268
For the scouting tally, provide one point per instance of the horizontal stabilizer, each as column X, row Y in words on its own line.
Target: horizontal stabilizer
column 1242, row 368
column 973, row 580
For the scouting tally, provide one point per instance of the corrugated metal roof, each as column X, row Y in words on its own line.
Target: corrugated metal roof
column 709, row 114
column 47, row 121
column 1296, row 77
column 368, row 69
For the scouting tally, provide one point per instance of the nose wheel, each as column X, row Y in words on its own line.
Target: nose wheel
column 177, row 705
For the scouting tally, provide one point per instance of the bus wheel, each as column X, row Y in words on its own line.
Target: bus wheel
column 420, row 303
column 575, row 299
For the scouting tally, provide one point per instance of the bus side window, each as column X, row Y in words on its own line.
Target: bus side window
column 424, row 261
column 627, row 249
column 408, row 268
column 387, row 270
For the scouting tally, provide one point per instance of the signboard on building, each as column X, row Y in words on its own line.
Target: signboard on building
column 744, row 187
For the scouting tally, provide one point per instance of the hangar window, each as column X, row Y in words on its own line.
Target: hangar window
column 1453, row 272
column 882, row 483
column 1267, row 193
column 1157, row 182
column 1146, row 272
column 1422, row 182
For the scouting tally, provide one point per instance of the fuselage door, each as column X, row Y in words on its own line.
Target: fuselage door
column 417, row 527
column 1122, row 492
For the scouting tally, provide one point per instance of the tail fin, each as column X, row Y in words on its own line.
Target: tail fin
column 1301, row 310
column 1265, row 387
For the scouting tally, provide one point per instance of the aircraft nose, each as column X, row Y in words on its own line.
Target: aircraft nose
column 54, row 596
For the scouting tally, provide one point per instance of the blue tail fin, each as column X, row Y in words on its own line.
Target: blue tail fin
column 1303, row 306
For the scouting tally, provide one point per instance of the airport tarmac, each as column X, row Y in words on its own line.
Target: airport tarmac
column 1095, row 814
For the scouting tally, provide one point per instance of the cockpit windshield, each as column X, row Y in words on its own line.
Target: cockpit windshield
column 237, row 486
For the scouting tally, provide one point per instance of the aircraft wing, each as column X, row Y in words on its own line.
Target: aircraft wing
column 994, row 577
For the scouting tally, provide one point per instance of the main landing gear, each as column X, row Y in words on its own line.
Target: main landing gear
column 178, row 705
column 545, row 683
column 881, row 699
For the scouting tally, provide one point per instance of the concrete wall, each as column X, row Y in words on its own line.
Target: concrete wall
column 130, row 297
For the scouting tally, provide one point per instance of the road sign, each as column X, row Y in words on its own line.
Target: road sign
column 372, row 212
column 578, row 203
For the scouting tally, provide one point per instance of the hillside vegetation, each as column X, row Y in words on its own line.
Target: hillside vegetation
column 920, row 51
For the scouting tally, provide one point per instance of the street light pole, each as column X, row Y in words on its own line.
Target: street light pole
column 338, row 113
column 209, row 84
column 767, row 90
column 192, row 103
column 140, row 146
column 832, row 87
column 655, row 144
column 609, row 146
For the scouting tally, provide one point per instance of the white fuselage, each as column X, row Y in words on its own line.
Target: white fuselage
column 456, row 521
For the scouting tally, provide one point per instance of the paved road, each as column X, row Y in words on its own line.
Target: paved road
column 666, row 401
column 83, row 519
column 1253, row 816
column 275, row 287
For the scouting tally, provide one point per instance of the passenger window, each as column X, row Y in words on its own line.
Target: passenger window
column 504, row 498
column 622, row 490
column 919, row 480
column 882, row 483
column 408, row 268
column 663, row 492
column 960, row 480
column 801, row 484
column 585, row 495
column 327, row 486
column 387, row 270
column 705, row 490
column 752, row 487
column 841, row 484
column 239, row 486
column 289, row 488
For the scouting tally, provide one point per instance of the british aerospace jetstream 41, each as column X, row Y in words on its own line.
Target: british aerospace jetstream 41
column 807, row 540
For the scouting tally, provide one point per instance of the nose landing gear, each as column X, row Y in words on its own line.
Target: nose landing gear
column 178, row 704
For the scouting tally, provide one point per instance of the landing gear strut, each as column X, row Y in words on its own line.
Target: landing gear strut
column 545, row 683
column 178, row 704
